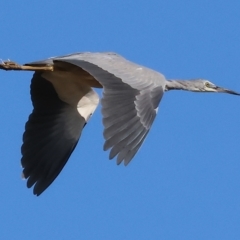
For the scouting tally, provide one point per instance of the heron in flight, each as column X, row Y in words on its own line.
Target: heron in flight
column 63, row 101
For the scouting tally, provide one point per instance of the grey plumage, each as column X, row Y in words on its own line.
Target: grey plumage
column 63, row 101
column 51, row 134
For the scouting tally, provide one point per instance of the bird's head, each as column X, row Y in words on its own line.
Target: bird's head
column 196, row 85
column 207, row 86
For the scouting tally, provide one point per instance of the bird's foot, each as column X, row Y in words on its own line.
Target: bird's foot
column 9, row 65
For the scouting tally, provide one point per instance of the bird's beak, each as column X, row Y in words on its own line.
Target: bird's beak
column 224, row 90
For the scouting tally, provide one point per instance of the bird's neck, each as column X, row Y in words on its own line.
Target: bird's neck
column 178, row 85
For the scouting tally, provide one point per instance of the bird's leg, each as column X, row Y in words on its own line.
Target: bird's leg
column 10, row 65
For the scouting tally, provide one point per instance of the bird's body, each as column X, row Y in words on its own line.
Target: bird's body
column 64, row 100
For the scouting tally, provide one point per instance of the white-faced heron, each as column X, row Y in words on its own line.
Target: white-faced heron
column 63, row 101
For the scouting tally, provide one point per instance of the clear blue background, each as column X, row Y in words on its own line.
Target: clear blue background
column 184, row 183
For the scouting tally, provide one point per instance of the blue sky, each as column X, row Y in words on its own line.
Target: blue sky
column 184, row 182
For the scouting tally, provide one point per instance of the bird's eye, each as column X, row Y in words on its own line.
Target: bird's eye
column 207, row 84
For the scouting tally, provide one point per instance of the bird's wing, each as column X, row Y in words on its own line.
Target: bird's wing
column 131, row 95
column 51, row 134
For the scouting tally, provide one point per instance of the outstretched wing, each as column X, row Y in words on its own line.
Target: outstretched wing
column 51, row 134
column 130, row 99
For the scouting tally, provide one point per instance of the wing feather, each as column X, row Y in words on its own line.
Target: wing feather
column 131, row 95
column 51, row 134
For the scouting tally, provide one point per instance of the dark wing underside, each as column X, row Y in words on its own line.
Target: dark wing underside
column 131, row 95
column 51, row 134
